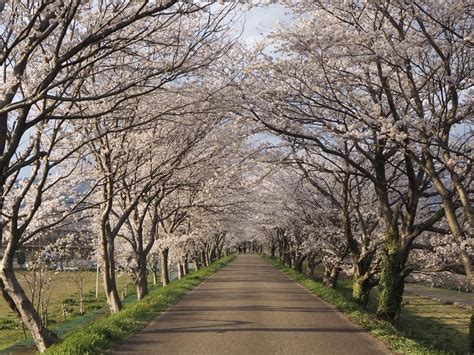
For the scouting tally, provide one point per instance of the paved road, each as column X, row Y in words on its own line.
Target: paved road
column 249, row 307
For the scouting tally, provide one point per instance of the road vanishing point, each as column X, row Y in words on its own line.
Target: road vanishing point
column 249, row 307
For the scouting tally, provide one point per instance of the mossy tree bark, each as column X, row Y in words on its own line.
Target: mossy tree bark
column 361, row 290
column 362, row 279
column 391, row 279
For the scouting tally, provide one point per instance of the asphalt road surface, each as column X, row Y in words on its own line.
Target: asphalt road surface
column 249, row 307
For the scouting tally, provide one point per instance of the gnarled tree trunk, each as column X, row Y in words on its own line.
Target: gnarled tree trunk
column 361, row 280
column 331, row 275
column 299, row 260
column 391, row 279
column 361, row 289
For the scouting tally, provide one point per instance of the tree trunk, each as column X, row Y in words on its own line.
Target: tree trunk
column 450, row 212
column 391, row 280
column 331, row 275
column 299, row 263
column 141, row 282
column 82, row 308
column 186, row 266
column 281, row 253
column 196, row 264
column 361, row 283
column 110, row 285
column 41, row 335
column 207, row 257
column 204, row 258
column 361, row 290
column 165, row 275
column 311, row 265
column 287, row 259
column 458, row 234
column 212, row 255
column 141, row 287
column 180, row 270
column 298, row 266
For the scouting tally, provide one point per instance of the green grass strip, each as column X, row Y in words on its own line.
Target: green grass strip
column 108, row 330
column 382, row 330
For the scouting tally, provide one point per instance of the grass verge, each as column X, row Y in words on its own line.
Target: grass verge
column 382, row 330
column 110, row 329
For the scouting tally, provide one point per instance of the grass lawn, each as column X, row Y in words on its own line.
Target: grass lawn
column 63, row 289
column 442, row 327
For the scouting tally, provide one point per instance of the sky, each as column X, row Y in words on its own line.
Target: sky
column 259, row 21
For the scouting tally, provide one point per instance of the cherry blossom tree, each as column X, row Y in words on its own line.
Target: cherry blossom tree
column 59, row 58
column 352, row 197
column 343, row 75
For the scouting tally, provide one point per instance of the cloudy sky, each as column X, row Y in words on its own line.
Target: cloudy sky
column 259, row 21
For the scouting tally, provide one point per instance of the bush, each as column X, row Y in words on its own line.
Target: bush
column 90, row 297
column 70, row 301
